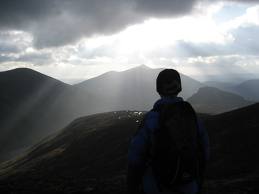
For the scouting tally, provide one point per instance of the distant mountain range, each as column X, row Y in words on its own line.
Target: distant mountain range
column 34, row 105
column 226, row 86
column 90, row 156
column 212, row 100
column 248, row 89
column 134, row 89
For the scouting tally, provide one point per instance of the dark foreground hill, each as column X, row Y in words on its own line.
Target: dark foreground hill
column 234, row 147
column 90, row 156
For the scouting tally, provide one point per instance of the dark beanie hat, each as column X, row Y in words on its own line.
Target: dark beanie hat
column 168, row 82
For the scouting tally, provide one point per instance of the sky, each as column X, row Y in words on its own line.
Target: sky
column 74, row 40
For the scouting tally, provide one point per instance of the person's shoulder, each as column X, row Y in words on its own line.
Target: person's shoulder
column 151, row 119
column 152, row 114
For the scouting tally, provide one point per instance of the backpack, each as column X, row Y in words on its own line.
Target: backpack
column 175, row 149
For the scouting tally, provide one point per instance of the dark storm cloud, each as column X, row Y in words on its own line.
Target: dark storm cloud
column 164, row 8
column 59, row 22
column 18, row 14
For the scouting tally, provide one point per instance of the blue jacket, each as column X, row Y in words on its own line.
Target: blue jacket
column 138, row 154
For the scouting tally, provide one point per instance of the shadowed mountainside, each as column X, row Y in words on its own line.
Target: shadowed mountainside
column 33, row 105
column 248, row 89
column 220, row 85
column 213, row 101
column 90, row 156
column 133, row 89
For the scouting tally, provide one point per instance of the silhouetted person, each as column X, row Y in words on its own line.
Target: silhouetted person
column 169, row 151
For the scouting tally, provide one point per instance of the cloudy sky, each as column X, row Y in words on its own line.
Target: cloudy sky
column 73, row 40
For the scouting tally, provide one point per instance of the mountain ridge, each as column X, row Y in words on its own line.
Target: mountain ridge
column 212, row 100
column 133, row 88
column 249, row 89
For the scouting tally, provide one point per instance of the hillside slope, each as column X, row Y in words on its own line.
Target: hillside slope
column 33, row 105
column 90, row 156
column 234, row 159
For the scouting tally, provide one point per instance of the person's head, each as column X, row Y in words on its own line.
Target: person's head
column 168, row 83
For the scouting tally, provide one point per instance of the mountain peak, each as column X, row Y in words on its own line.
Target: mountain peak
column 19, row 70
column 140, row 67
column 23, row 72
column 143, row 66
column 26, row 76
column 213, row 101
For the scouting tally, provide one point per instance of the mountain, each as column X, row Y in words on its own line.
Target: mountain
column 34, row 105
column 225, row 86
column 248, row 89
column 90, row 156
column 213, row 101
column 133, row 89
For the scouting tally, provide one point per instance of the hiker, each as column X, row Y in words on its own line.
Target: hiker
column 160, row 160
